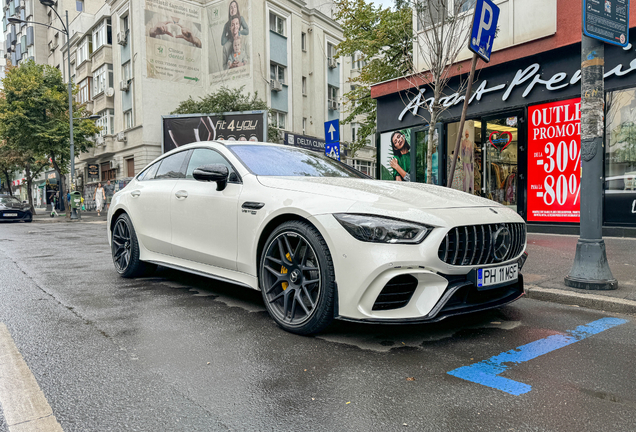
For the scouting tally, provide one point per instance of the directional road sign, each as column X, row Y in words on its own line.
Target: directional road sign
column 333, row 150
column 332, row 131
column 482, row 35
column 607, row 20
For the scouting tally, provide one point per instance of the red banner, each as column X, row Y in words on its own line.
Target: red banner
column 554, row 161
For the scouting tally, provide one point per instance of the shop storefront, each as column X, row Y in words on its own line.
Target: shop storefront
column 520, row 145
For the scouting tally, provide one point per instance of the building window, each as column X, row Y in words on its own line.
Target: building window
column 107, row 172
column 464, row 5
column 85, row 50
column 103, row 34
column 102, row 79
column 304, row 125
column 278, row 119
column 358, row 60
column 364, row 167
column 354, row 131
column 277, row 72
column 331, row 51
column 84, row 92
column 303, row 41
column 79, row 5
column 277, row 24
column 332, row 98
column 304, row 86
column 128, row 119
column 105, row 122
column 126, row 71
column 124, row 23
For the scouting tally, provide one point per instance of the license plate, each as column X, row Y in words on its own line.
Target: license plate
column 11, row 215
column 497, row 275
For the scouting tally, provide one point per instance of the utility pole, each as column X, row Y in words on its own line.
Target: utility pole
column 590, row 269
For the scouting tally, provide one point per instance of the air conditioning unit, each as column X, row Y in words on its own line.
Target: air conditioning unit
column 333, row 105
column 332, row 63
column 122, row 38
column 276, row 85
column 124, row 85
column 114, row 165
column 121, row 136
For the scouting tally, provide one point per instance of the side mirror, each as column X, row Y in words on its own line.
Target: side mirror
column 217, row 173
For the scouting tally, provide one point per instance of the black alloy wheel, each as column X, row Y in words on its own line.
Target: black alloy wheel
column 297, row 278
column 125, row 249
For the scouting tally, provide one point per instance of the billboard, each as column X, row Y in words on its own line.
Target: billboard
column 554, row 161
column 395, row 155
column 178, row 130
column 173, row 41
column 229, row 53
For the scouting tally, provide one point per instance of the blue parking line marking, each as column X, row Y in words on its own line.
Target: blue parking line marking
column 487, row 372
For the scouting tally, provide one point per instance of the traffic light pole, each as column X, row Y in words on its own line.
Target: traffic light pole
column 590, row 269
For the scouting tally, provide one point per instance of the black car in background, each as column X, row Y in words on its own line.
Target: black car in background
column 11, row 209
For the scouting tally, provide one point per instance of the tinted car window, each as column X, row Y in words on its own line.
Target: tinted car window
column 290, row 161
column 172, row 167
column 149, row 173
column 202, row 157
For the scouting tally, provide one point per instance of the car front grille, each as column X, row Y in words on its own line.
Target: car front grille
column 475, row 244
column 396, row 293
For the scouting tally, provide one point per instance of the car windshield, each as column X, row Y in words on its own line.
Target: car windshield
column 267, row 160
column 9, row 200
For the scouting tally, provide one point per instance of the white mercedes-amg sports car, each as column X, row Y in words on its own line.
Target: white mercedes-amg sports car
column 318, row 238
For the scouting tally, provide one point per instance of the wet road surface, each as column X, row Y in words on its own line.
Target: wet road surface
column 175, row 352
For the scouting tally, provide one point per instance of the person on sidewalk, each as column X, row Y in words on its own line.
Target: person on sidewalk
column 109, row 189
column 99, row 197
column 53, row 205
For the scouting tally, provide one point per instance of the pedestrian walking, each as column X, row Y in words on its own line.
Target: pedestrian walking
column 99, row 197
column 109, row 189
column 53, row 205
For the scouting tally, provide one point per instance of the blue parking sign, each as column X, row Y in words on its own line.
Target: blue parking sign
column 482, row 36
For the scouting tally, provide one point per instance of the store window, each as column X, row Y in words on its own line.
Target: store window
column 620, row 157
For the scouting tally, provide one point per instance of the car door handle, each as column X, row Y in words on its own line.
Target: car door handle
column 181, row 194
column 135, row 193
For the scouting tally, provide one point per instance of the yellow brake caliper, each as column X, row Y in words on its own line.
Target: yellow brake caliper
column 283, row 270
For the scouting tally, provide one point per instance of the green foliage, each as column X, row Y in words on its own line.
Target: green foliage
column 385, row 40
column 225, row 100
column 34, row 119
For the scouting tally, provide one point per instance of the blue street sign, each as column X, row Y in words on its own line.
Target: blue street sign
column 482, row 36
column 333, row 150
column 608, row 21
column 332, row 131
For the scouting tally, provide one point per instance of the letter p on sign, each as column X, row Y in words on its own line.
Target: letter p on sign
column 484, row 27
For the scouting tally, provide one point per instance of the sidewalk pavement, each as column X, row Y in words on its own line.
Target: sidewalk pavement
column 550, row 257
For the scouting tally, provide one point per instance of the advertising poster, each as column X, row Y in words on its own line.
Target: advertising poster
column 182, row 130
column 173, row 41
column 395, row 155
column 229, row 54
column 554, row 161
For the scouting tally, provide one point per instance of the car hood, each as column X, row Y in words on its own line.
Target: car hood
column 418, row 195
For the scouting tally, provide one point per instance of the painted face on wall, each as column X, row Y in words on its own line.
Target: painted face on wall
column 236, row 45
column 235, row 27
column 233, row 8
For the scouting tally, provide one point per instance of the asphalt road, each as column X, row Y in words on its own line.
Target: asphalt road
column 180, row 353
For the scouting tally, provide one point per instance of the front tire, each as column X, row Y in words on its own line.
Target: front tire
column 297, row 279
column 125, row 250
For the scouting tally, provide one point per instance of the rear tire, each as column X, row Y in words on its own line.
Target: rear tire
column 297, row 278
column 125, row 250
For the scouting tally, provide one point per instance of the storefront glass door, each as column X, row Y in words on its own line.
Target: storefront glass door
column 499, row 170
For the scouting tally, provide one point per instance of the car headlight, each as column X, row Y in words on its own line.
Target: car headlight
column 378, row 229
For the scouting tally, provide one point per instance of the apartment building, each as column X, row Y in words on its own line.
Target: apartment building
column 520, row 145
column 136, row 61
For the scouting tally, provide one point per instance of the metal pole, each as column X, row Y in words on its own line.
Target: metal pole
column 460, row 131
column 590, row 269
column 70, row 112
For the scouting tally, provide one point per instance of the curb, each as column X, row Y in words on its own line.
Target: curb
column 591, row 301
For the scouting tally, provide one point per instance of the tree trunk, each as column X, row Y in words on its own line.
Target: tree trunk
column 8, row 181
column 29, row 180
column 429, row 149
column 62, row 195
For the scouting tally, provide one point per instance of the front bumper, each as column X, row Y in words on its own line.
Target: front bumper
column 364, row 270
column 22, row 215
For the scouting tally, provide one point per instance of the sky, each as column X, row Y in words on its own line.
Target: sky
column 383, row 3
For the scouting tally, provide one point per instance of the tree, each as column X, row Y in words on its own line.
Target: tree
column 445, row 28
column 227, row 100
column 34, row 121
column 382, row 40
